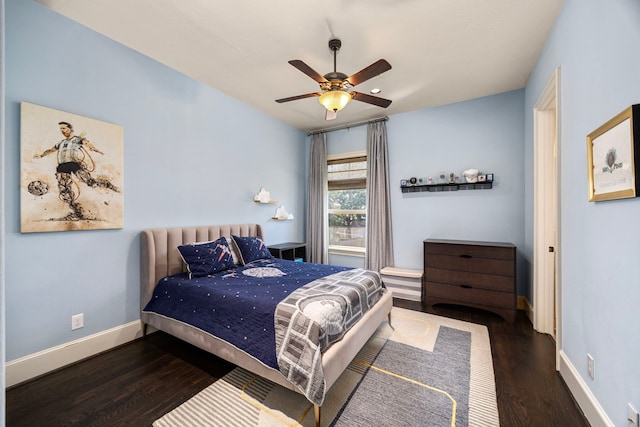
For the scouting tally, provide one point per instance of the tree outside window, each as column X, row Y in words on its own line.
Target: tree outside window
column 347, row 202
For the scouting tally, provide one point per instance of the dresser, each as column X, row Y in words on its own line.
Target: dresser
column 476, row 274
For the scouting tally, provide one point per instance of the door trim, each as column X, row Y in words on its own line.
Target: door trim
column 547, row 314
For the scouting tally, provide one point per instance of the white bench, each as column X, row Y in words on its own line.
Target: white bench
column 404, row 283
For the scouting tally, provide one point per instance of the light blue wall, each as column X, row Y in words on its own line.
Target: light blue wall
column 2, row 210
column 485, row 133
column 192, row 156
column 347, row 140
column 596, row 45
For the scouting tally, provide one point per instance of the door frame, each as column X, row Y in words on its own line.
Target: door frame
column 547, row 315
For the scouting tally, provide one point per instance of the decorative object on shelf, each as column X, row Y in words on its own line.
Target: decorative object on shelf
column 471, row 179
column 446, row 187
column 264, row 196
column 470, row 175
column 282, row 214
column 613, row 153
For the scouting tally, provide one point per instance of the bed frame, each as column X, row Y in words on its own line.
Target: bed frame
column 160, row 257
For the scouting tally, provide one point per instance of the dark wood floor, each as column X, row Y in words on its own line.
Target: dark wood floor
column 137, row 383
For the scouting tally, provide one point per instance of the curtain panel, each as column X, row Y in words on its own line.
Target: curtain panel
column 379, row 240
column 317, row 222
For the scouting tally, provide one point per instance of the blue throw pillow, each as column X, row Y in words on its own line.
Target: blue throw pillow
column 207, row 258
column 251, row 249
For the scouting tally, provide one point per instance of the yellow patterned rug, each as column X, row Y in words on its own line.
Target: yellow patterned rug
column 427, row 371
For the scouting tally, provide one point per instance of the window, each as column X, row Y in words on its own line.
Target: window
column 347, row 182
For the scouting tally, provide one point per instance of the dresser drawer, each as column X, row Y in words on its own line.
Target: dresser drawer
column 476, row 280
column 469, row 295
column 502, row 267
column 465, row 250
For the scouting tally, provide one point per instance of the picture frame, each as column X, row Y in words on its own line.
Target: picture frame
column 613, row 154
column 71, row 171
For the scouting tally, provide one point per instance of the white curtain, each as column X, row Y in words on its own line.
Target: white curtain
column 316, row 201
column 379, row 242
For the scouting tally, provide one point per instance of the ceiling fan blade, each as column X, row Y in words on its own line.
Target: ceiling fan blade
column 293, row 98
column 369, row 99
column 307, row 70
column 369, row 72
column 330, row 115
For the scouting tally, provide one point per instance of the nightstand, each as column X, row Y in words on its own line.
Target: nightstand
column 290, row 250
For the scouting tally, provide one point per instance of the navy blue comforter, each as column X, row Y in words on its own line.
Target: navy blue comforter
column 237, row 305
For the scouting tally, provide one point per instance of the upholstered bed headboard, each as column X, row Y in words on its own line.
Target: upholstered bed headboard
column 159, row 256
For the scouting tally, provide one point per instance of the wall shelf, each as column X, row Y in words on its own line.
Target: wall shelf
column 433, row 188
column 270, row 202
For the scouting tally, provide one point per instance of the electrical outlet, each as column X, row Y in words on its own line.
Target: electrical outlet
column 77, row 321
column 632, row 416
column 591, row 366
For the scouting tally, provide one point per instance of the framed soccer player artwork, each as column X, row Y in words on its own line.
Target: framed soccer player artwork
column 71, row 171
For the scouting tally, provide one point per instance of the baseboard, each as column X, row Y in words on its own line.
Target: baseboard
column 36, row 364
column 525, row 305
column 581, row 392
column 587, row 402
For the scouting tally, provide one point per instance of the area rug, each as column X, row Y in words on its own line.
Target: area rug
column 426, row 371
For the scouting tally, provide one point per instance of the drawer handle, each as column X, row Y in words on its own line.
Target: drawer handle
column 466, row 286
column 465, row 256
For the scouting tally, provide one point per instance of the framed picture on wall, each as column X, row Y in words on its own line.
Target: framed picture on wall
column 71, row 171
column 613, row 156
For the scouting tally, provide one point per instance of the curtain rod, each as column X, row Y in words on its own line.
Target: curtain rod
column 352, row 125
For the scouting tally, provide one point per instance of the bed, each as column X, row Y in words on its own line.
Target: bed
column 162, row 265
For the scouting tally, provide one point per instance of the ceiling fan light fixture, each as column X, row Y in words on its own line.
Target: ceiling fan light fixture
column 335, row 87
column 335, row 100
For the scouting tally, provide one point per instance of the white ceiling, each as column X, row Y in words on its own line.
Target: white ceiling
column 441, row 51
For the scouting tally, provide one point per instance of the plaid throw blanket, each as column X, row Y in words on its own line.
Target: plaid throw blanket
column 315, row 316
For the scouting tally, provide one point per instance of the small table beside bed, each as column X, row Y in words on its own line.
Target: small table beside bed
column 297, row 324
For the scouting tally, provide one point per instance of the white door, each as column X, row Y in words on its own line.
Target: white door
column 546, row 292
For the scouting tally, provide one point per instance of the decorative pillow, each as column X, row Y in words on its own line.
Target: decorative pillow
column 234, row 251
column 232, row 247
column 207, row 258
column 251, row 249
column 237, row 259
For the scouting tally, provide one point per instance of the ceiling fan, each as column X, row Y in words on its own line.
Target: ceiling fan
column 335, row 86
